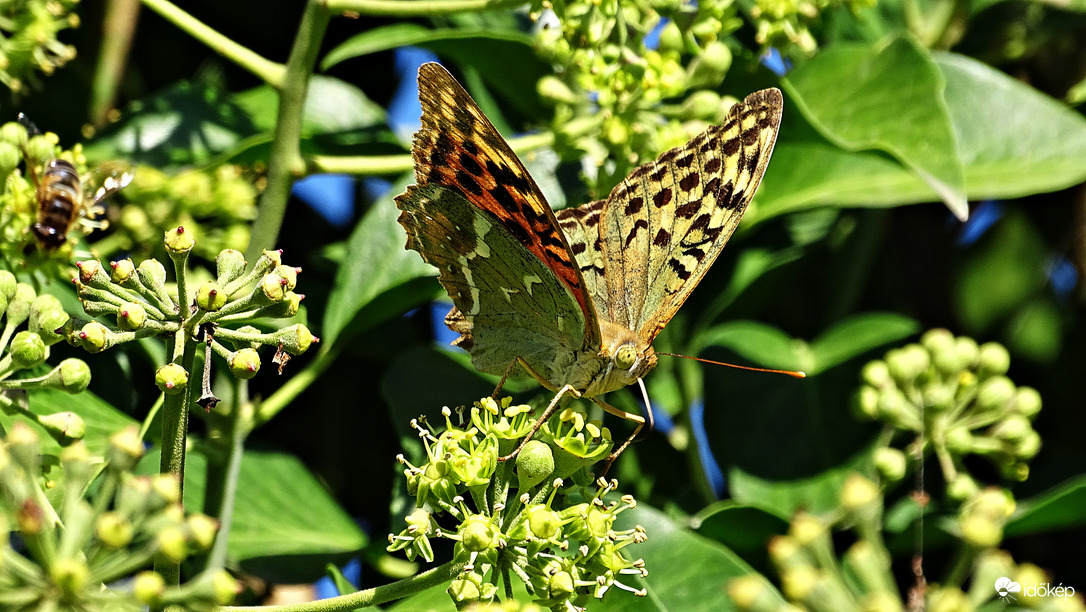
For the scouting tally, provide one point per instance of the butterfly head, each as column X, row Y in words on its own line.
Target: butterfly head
column 625, row 359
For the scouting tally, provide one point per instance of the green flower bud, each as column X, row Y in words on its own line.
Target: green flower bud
column 296, row 339
column 981, row 531
column 992, row 360
column 959, row 440
column 464, row 589
column 543, row 522
column 149, row 587
column 13, row 133
column 171, row 379
column 152, row 274
column 65, row 427
column 535, row 462
column 553, row 89
column 46, row 321
column 94, row 337
column 131, row 316
column 288, row 274
column 751, row 592
column 179, row 240
column 1027, row 402
column 173, row 543
column 122, row 271
column 708, row 69
column 937, row 341
column 995, row 394
column 947, row 599
column 891, row 464
column 210, row 297
column 798, row 582
column 962, row 487
column 938, row 397
column 477, row 534
column 907, row 363
column 273, row 287
column 285, row 309
column 9, row 158
column 113, row 530
column 876, row 374
column 225, row 587
column 24, row 444
column 40, row 147
column 967, row 351
column 8, row 285
column 866, row 403
column 27, row 350
column 72, row 376
column 125, row 448
column 1028, row 446
column 203, row 530
column 19, row 305
column 703, row 104
column 166, row 487
column 858, row 492
column 671, row 38
column 229, row 266
column 244, row 364
column 1013, row 428
column 76, row 460
column 70, row 576
column 560, row 586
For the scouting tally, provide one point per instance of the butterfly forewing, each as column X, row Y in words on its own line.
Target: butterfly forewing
column 457, row 147
column 679, row 212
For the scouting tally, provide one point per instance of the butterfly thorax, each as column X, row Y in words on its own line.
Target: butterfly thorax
column 621, row 360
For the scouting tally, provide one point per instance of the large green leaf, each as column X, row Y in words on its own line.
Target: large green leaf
column 1058, row 509
column 818, row 494
column 286, row 526
column 889, row 98
column 378, row 278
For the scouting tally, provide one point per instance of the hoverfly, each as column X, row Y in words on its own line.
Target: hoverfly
column 60, row 195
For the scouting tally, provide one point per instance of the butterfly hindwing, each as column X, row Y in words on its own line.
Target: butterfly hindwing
column 665, row 224
column 511, row 304
column 457, row 147
column 581, row 226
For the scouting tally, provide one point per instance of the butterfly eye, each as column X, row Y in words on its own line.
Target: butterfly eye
column 625, row 356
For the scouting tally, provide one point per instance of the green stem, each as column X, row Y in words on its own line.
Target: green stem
column 264, row 69
column 369, row 597
column 220, row 499
column 285, row 154
column 418, row 8
column 175, row 420
column 118, row 26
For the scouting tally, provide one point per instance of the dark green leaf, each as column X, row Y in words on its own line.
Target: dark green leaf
column 818, row 494
column 101, row 419
column 1058, row 509
column 858, row 335
column 889, row 98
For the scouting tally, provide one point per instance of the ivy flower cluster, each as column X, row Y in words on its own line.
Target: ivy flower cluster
column 216, row 313
column 956, row 397
column 539, row 517
column 218, row 204
column 63, row 541
column 28, row 40
column 25, row 352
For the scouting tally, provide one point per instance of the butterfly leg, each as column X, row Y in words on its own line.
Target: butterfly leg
column 629, row 416
column 551, row 408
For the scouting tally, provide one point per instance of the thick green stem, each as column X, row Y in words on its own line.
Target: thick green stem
column 220, row 497
column 175, row 421
column 369, row 597
column 264, row 69
column 285, row 153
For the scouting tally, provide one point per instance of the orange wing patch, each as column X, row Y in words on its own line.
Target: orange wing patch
column 458, row 147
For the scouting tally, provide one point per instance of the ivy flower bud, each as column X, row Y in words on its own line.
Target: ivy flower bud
column 172, row 543
column 152, row 274
column 224, row 587
column 477, row 534
column 543, row 522
column 994, row 394
column 993, row 360
column 876, row 374
column 9, row 158
column 65, row 427
column 708, row 68
column 535, row 462
column 113, row 529
column 1027, row 402
column 71, row 375
column 285, row 309
column 19, row 305
column 94, row 337
column 69, row 576
column 858, row 492
column 171, row 379
column 273, row 287
column 166, row 487
column 8, row 284
column 244, row 364
column 203, row 530
column 296, row 339
column 27, row 350
column 229, row 266
column 125, row 448
column 179, row 240
column 149, row 587
column 210, row 297
column 891, row 464
column 122, row 270
column 92, row 274
column 288, row 274
column 131, row 316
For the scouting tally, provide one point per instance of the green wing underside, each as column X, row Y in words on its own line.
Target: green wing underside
column 513, row 304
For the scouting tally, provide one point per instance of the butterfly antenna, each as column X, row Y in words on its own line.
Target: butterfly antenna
column 792, row 373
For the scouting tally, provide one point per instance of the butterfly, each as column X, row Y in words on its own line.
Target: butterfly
column 576, row 297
